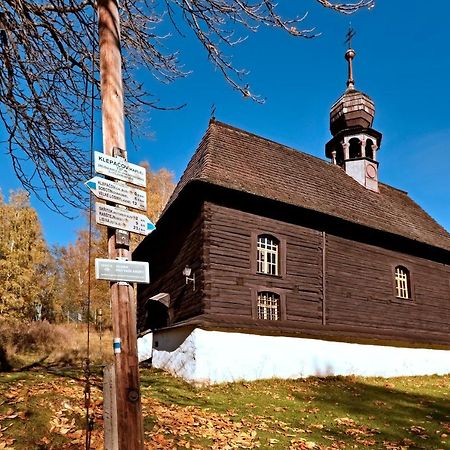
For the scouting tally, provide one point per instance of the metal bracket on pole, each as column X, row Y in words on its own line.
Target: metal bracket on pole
column 119, row 152
column 122, row 238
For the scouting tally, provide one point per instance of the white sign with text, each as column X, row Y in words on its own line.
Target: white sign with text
column 123, row 219
column 120, row 169
column 118, row 193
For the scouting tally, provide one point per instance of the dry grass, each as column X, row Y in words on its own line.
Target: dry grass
column 23, row 344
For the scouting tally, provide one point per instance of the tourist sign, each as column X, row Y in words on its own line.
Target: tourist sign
column 122, row 219
column 118, row 193
column 119, row 270
column 120, row 169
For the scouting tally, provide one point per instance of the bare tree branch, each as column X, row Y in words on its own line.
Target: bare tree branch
column 46, row 69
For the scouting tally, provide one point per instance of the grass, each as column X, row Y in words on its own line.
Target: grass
column 43, row 407
column 344, row 412
column 32, row 404
column 45, row 410
column 45, row 344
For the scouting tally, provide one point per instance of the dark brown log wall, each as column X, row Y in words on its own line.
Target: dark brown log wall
column 218, row 240
column 177, row 242
column 360, row 289
column 359, row 280
column 231, row 278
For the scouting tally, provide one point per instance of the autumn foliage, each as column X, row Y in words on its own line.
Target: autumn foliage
column 27, row 274
column 41, row 287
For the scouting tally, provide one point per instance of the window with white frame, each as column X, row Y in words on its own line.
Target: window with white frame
column 268, row 306
column 267, row 255
column 402, row 283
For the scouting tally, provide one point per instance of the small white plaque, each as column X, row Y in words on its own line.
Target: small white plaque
column 117, row 270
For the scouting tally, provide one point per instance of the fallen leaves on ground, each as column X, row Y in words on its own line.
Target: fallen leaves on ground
column 360, row 432
column 176, row 425
column 202, row 419
column 62, row 401
column 419, row 431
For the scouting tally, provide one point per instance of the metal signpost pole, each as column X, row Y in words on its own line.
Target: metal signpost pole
column 129, row 412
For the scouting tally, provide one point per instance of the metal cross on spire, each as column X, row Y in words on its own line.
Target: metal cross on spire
column 349, row 55
column 350, row 34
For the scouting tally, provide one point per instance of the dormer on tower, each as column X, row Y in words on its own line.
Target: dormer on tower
column 354, row 144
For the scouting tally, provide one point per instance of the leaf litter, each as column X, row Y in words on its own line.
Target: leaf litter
column 293, row 420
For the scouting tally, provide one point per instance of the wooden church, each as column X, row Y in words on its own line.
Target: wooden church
column 269, row 262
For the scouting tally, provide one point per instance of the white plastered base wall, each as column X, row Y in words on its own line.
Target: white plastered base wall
column 202, row 356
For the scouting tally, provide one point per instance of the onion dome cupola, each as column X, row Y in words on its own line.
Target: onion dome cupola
column 355, row 143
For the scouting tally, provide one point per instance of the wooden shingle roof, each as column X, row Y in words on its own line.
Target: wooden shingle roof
column 238, row 160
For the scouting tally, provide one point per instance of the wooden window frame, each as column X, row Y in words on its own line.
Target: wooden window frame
column 279, row 292
column 402, row 300
column 281, row 254
column 268, row 249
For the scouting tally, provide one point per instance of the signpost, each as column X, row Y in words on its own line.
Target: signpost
column 127, row 421
column 123, row 219
column 120, row 169
column 118, row 193
column 119, row 270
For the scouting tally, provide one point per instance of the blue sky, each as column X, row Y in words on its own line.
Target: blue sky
column 402, row 63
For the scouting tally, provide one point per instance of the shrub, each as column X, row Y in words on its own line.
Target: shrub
column 62, row 344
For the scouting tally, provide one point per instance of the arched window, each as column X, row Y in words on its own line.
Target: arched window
column 267, row 255
column 268, row 306
column 355, row 148
column 402, row 282
column 340, row 157
column 369, row 149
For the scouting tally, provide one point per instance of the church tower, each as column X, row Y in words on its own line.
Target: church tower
column 355, row 143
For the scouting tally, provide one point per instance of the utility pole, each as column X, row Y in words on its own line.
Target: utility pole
column 128, row 401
